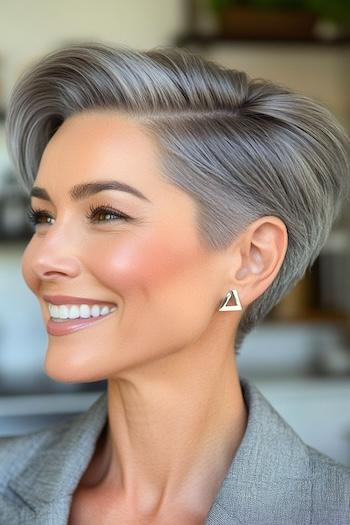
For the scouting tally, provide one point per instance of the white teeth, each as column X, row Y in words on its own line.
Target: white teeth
column 104, row 310
column 95, row 310
column 54, row 310
column 63, row 311
column 75, row 311
column 84, row 311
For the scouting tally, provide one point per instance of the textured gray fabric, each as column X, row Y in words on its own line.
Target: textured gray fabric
column 274, row 479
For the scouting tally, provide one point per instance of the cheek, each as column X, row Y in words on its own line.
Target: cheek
column 29, row 276
column 143, row 266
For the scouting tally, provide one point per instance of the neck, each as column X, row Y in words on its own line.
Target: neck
column 173, row 430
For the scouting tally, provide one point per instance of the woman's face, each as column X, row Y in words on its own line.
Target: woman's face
column 166, row 288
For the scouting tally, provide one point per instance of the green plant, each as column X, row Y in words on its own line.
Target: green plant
column 334, row 10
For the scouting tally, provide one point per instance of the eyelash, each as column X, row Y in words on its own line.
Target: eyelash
column 33, row 215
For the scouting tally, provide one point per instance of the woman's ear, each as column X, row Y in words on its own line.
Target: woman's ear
column 258, row 256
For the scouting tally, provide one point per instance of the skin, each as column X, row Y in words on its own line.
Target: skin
column 176, row 414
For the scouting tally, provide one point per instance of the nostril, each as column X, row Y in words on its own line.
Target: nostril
column 53, row 266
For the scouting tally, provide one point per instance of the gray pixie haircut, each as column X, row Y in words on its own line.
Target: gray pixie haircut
column 242, row 148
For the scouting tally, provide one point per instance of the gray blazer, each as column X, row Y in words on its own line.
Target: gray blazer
column 274, row 478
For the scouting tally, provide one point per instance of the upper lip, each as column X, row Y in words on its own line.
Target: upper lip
column 69, row 299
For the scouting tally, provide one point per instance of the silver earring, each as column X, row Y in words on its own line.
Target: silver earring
column 237, row 306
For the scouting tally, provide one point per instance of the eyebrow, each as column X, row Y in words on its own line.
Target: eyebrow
column 82, row 191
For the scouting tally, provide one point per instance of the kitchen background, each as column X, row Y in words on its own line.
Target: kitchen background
column 299, row 356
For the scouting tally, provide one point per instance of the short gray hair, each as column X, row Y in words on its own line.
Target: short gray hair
column 242, row 148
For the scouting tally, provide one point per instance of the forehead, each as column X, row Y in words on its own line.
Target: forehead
column 106, row 125
column 101, row 144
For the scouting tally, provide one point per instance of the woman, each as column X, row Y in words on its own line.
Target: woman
column 175, row 202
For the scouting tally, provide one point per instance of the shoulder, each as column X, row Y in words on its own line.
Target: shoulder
column 17, row 451
column 330, row 489
column 323, row 467
column 293, row 482
column 37, row 466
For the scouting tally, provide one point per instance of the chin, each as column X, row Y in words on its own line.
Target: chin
column 64, row 370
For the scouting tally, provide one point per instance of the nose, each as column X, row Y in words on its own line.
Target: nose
column 54, row 268
column 54, row 255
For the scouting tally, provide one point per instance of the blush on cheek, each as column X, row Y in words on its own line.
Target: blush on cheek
column 137, row 265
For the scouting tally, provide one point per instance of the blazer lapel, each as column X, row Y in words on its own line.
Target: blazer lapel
column 268, row 481
column 46, row 485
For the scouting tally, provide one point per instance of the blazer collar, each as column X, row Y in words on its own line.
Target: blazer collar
column 48, row 481
column 270, row 474
column 270, row 467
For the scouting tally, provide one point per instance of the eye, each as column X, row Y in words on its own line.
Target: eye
column 35, row 216
column 96, row 214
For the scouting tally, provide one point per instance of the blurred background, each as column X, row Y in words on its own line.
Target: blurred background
column 299, row 357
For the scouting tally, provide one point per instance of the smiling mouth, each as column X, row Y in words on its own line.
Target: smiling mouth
column 58, row 327
column 63, row 312
column 90, row 318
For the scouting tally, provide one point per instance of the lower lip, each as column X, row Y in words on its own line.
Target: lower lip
column 72, row 325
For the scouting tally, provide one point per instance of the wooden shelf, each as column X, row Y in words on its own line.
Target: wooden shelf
column 206, row 40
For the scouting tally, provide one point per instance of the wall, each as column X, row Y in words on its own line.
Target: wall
column 30, row 29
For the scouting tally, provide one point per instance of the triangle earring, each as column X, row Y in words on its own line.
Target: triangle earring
column 224, row 305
